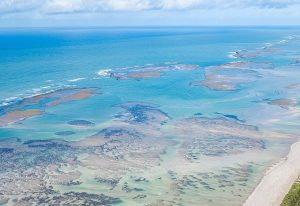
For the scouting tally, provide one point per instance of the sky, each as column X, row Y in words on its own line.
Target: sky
column 47, row 13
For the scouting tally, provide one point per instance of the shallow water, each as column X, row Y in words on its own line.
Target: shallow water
column 144, row 116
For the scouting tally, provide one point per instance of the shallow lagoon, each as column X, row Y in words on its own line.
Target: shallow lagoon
column 146, row 134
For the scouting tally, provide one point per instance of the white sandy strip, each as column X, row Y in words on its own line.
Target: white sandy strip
column 277, row 181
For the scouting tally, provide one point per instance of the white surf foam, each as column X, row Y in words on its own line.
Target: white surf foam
column 76, row 80
column 232, row 55
column 104, row 72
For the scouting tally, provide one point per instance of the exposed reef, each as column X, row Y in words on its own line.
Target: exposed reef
column 255, row 53
column 283, row 103
column 18, row 115
column 295, row 86
column 265, row 51
column 145, row 72
column 36, row 105
column 230, row 76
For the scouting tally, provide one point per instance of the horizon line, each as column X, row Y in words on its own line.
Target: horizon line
column 142, row 26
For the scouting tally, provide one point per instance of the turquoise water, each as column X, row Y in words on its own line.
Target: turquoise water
column 40, row 61
column 31, row 57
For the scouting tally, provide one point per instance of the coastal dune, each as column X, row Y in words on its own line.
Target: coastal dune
column 277, row 181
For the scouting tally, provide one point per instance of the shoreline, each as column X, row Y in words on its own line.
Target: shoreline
column 277, row 181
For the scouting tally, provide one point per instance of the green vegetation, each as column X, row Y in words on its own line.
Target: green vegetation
column 293, row 196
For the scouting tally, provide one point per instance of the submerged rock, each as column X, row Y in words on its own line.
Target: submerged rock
column 83, row 123
column 64, row 133
column 139, row 112
column 6, row 150
column 69, row 198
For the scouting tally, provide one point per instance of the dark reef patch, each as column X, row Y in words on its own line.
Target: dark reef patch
column 64, row 133
column 234, row 179
column 142, row 113
column 221, row 145
column 57, row 144
column 230, row 116
column 6, row 150
column 70, row 198
column 116, row 132
column 82, row 123
column 198, row 114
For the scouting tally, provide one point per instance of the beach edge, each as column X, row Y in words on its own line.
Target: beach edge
column 277, row 181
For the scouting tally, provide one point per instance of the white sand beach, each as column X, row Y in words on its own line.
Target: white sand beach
column 277, row 181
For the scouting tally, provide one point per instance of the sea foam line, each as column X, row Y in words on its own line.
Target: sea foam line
column 76, row 80
column 104, row 73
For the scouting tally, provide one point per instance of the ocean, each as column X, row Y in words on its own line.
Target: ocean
column 144, row 116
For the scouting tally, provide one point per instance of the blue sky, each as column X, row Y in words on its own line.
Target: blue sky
column 20, row 13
